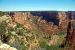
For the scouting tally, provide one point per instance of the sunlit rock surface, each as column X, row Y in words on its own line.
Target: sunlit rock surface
column 6, row 47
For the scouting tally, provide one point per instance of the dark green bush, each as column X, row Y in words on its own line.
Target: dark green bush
column 61, row 33
column 3, row 26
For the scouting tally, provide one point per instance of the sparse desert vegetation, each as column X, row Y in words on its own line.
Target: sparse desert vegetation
column 23, row 31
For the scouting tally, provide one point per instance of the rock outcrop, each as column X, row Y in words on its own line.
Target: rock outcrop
column 6, row 47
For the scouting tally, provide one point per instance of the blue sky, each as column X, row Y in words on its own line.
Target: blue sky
column 37, row 5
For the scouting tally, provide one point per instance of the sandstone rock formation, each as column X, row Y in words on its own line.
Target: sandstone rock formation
column 63, row 21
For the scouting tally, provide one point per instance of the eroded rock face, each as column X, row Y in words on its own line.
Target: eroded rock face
column 20, row 17
column 24, row 19
column 63, row 21
column 70, row 41
column 6, row 47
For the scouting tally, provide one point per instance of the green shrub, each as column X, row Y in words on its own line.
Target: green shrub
column 19, row 25
column 3, row 27
column 21, row 30
column 53, row 48
column 23, row 47
column 43, row 44
column 61, row 33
